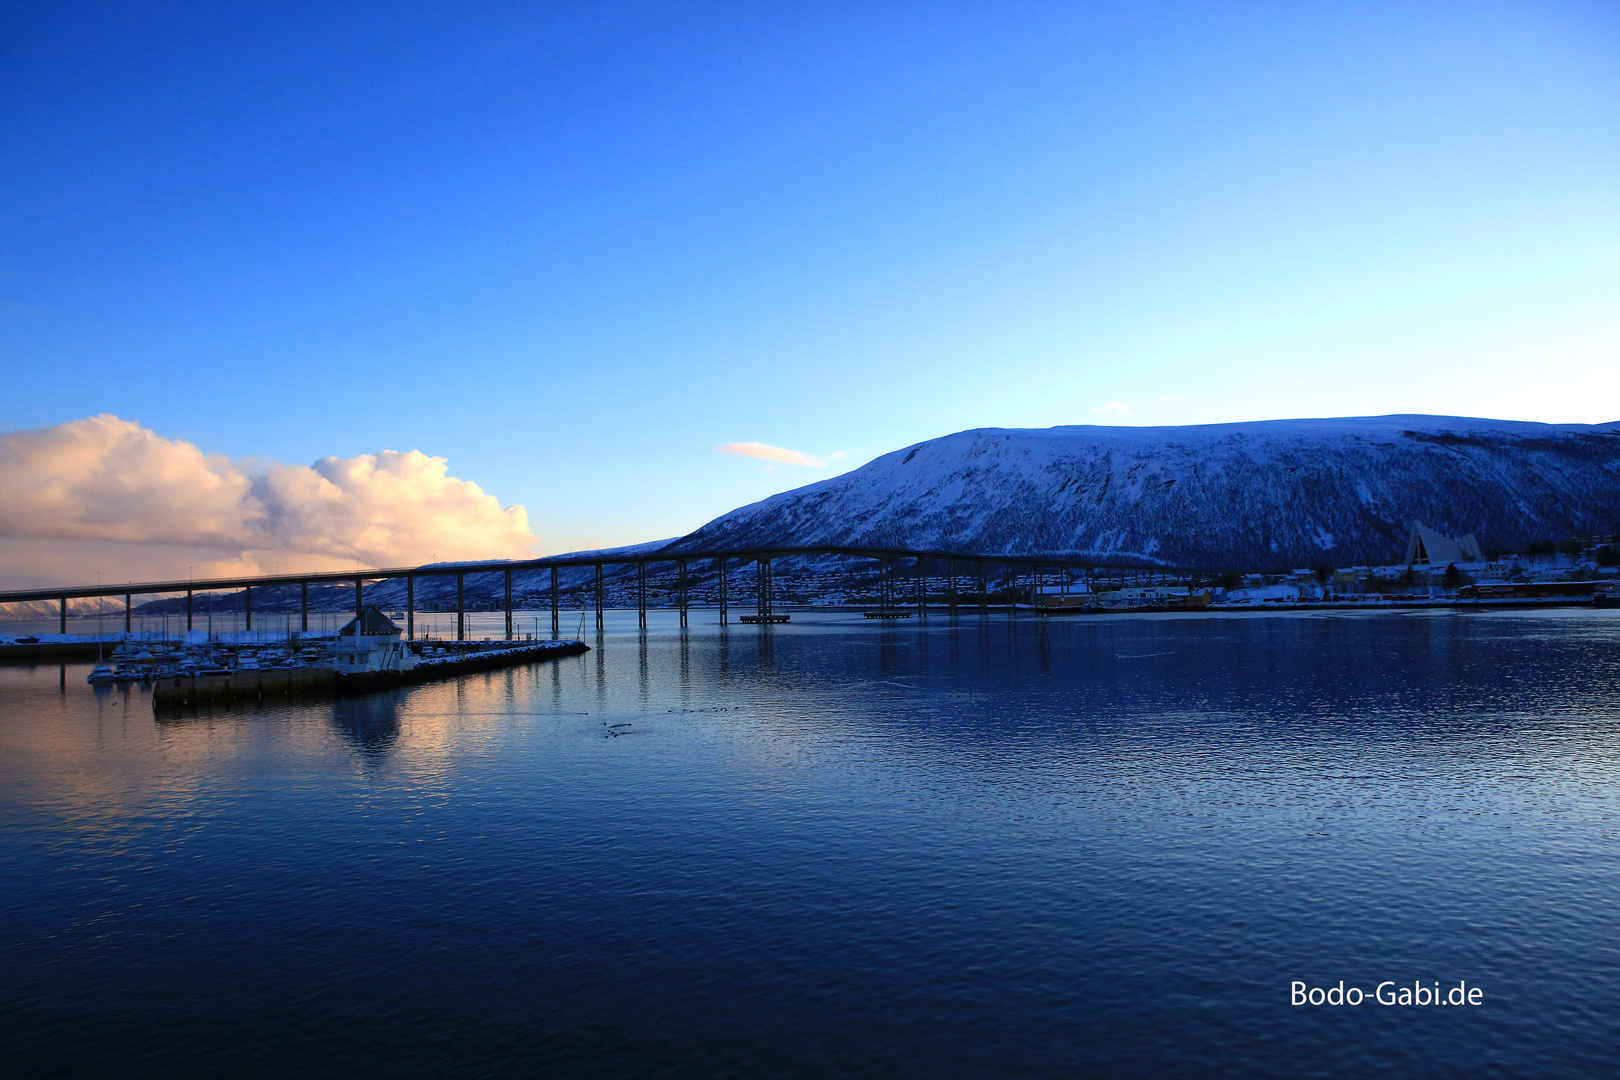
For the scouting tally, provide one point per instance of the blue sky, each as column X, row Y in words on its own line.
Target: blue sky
column 573, row 248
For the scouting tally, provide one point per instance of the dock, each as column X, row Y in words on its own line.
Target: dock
column 255, row 684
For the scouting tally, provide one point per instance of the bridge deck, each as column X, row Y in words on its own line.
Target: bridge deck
column 979, row 562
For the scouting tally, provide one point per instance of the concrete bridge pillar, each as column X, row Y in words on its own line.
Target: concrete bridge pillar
column 556, row 611
column 762, row 570
column 303, row 607
column 601, row 600
column 461, row 607
column 509, row 605
column 720, row 573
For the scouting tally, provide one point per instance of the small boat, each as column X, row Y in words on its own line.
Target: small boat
column 101, row 675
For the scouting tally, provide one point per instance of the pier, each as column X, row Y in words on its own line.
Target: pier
column 323, row 681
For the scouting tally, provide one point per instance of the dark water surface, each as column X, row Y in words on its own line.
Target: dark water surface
column 839, row 849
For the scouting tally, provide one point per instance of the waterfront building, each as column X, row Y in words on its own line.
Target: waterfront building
column 371, row 642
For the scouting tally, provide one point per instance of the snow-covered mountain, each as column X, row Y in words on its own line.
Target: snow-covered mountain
column 1274, row 494
column 47, row 609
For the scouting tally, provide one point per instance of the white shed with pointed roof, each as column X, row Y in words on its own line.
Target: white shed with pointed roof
column 371, row 642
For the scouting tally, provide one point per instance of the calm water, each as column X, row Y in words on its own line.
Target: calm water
column 839, row 849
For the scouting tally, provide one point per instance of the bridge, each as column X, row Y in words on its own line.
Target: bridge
column 888, row 560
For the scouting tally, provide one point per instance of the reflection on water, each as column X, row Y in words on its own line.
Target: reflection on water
column 974, row 847
column 369, row 722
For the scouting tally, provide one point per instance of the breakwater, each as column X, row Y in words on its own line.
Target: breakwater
column 62, row 648
column 323, row 681
column 241, row 685
column 461, row 663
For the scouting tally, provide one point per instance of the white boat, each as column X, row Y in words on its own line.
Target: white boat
column 101, row 675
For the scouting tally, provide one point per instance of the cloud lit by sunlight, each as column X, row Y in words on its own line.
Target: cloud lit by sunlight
column 1113, row 408
column 773, row 453
column 104, row 493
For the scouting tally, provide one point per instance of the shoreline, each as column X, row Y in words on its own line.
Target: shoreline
column 88, row 648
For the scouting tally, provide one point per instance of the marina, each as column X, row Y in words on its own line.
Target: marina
column 366, row 655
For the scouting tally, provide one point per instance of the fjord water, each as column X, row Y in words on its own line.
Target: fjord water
column 975, row 847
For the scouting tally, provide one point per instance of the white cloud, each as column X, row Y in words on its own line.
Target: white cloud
column 772, row 453
column 404, row 507
column 1114, row 408
column 1166, row 397
column 143, row 505
column 103, row 478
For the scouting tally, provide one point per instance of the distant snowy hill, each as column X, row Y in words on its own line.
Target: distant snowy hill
column 1276, row 494
column 47, row 609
